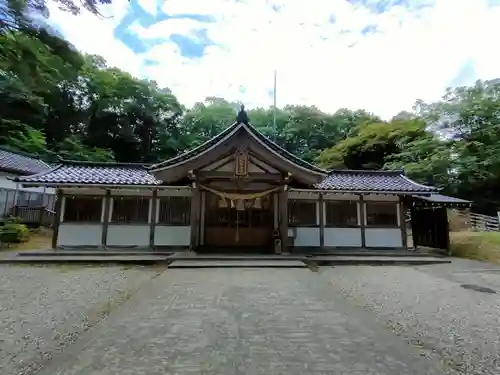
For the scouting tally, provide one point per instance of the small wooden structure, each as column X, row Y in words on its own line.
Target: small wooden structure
column 429, row 219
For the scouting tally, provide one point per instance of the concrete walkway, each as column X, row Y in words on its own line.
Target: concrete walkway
column 231, row 322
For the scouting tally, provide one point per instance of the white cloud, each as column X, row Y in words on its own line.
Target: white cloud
column 415, row 53
column 150, row 6
column 94, row 35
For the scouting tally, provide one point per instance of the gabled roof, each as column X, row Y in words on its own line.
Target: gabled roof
column 374, row 181
column 21, row 163
column 87, row 173
column 91, row 173
column 123, row 174
column 225, row 135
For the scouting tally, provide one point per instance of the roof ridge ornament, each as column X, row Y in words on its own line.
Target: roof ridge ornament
column 242, row 116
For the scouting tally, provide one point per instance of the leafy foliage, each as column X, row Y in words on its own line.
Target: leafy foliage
column 372, row 144
column 56, row 102
column 12, row 231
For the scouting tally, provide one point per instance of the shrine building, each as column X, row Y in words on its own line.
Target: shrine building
column 238, row 192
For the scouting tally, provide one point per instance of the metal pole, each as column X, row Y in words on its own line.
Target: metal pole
column 274, row 107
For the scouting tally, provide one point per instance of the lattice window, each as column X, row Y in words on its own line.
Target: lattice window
column 341, row 214
column 175, row 210
column 302, row 213
column 130, row 210
column 382, row 214
column 83, row 208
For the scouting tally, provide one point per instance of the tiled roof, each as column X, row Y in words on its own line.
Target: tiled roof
column 444, row 199
column 284, row 153
column 390, row 181
column 21, row 163
column 197, row 150
column 219, row 137
column 87, row 173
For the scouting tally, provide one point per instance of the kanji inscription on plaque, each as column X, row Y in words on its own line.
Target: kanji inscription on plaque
column 241, row 163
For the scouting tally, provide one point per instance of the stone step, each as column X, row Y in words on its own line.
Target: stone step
column 239, row 257
column 96, row 253
column 227, row 262
column 375, row 261
column 237, row 264
column 376, row 253
column 134, row 259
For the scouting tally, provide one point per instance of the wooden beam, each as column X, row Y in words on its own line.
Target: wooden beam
column 152, row 218
column 321, row 221
column 105, row 218
column 446, row 225
column 402, row 221
column 57, row 218
column 195, row 216
column 362, row 223
column 221, row 175
column 283, row 219
column 203, row 207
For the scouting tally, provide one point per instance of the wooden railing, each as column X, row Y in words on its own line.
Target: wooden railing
column 479, row 222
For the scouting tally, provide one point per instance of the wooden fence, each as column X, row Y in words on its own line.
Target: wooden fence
column 39, row 216
column 33, row 208
column 479, row 222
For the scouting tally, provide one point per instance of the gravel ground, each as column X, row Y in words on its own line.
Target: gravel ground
column 428, row 307
column 240, row 322
column 45, row 308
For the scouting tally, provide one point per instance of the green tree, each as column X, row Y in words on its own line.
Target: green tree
column 372, row 145
column 470, row 116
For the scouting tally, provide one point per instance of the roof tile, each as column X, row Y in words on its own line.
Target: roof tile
column 90, row 173
column 444, row 199
column 351, row 180
column 20, row 163
column 219, row 137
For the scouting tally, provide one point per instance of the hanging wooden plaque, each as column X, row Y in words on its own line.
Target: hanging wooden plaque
column 241, row 163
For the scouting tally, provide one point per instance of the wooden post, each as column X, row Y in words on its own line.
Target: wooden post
column 321, row 221
column 152, row 219
column 57, row 218
column 16, row 193
column 362, row 223
column 446, row 230
column 41, row 214
column 195, row 216
column 202, row 218
column 6, row 201
column 404, row 233
column 105, row 219
column 283, row 219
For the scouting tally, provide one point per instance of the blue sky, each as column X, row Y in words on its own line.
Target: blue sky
column 379, row 55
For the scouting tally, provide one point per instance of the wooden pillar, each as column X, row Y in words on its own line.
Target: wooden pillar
column 362, row 222
column 321, row 221
column 57, row 218
column 16, row 193
column 283, row 219
column 6, row 192
column 195, row 216
column 152, row 218
column 402, row 221
column 105, row 218
column 203, row 201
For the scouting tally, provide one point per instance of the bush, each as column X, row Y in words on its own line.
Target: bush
column 14, row 233
column 10, row 220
